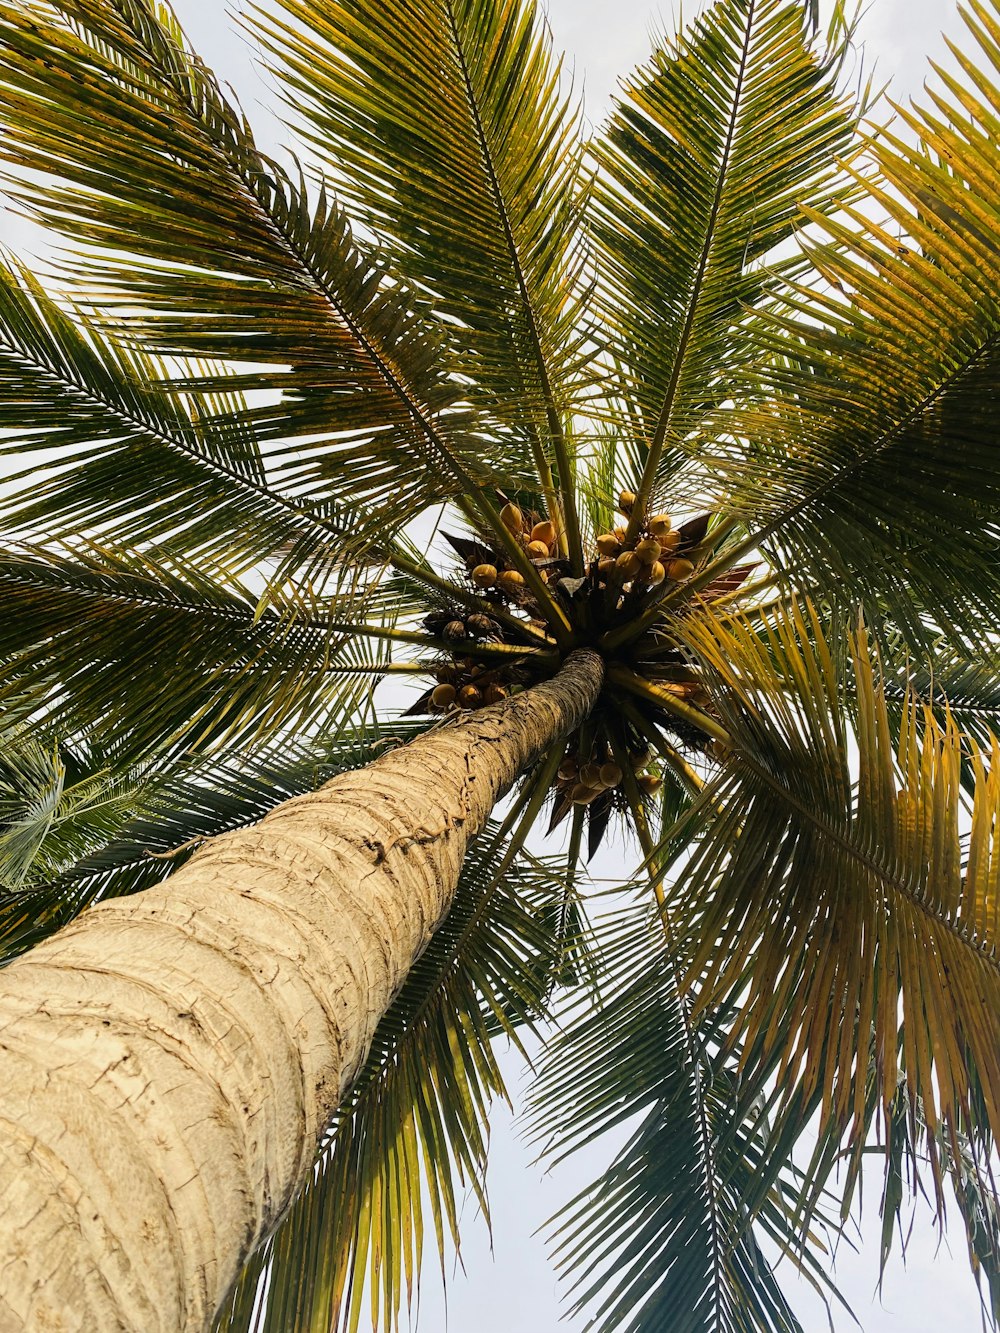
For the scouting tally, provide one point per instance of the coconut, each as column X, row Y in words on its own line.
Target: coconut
column 639, row 759
column 608, row 544
column 670, row 541
column 569, row 770
column 479, row 625
column 443, row 696
column 512, row 518
column 484, row 576
column 625, row 501
column 611, row 775
column 659, row 525
column 581, row 794
column 605, row 566
column 648, row 550
column 511, row 580
column 628, row 565
column 494, row 693
column 656, row 573
column 590, row 774
column 538, row 550
column 469, row 696
column 649, row 782
column 545, row 532
column 454, row 631
column 680, row 569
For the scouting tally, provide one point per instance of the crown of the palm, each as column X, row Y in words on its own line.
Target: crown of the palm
column 712, row 393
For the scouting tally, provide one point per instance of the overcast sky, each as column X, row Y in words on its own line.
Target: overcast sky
column 517, row 1291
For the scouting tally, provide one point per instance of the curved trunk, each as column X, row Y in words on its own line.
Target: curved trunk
column 169, row 1061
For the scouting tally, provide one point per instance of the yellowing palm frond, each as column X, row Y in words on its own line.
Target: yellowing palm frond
column 859, row 908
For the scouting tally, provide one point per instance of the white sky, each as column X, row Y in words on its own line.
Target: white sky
column 515, row 1289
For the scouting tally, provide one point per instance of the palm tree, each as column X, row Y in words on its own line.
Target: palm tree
column 663, row 464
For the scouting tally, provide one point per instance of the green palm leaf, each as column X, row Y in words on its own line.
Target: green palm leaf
column 669, row 1237
column 92, row 638
column 873, row 464
column 131, row 457
column 445, row 127
column 225, row 255
column 703, row 171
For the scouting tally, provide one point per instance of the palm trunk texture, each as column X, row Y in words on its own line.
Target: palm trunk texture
column 170, row 1061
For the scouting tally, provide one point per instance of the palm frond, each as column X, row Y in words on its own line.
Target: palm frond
column 704, row 166
column 152, row 653
column 873, row 465
column 444, row 125
column 670, row 1235
column 216, row 251
column 858, row 906
column 56, row 802
column 102, row 446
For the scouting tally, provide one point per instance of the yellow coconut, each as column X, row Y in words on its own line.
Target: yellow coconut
column 611, row 775
column 583, row 795
column 538, row 550
column 608, row 544
column 648, row 783
column 625, row 501
column 494, row 694
column 469, row 696
column 511, row 580
column 512, row 518
column 669, row 541
column 656, row 573
column 659, row 525
column 590, row 773
column 545, row 532
column 628, row 565
column 484, row 576
column 569, row 770
column 479, row 624
column 443, row 696
column 648, row 550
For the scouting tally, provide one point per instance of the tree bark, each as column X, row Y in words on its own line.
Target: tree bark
column 170, row 1061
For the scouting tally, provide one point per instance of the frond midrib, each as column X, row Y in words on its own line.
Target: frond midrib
column 984, row 952
column 861, row 460
column 384, row 365
column 147, row 425
column 517, row 268
column 647, row 481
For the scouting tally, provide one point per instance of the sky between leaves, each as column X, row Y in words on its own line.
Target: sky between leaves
column 513, row 1288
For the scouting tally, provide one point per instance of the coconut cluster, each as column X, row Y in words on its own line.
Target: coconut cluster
column 646, row 561
column 464, row 682
column 538, row 537
column 581, row 780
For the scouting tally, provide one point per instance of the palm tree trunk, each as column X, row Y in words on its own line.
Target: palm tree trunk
column 169, row 1061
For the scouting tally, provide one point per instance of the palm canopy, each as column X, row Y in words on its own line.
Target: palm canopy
column 763, row 332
